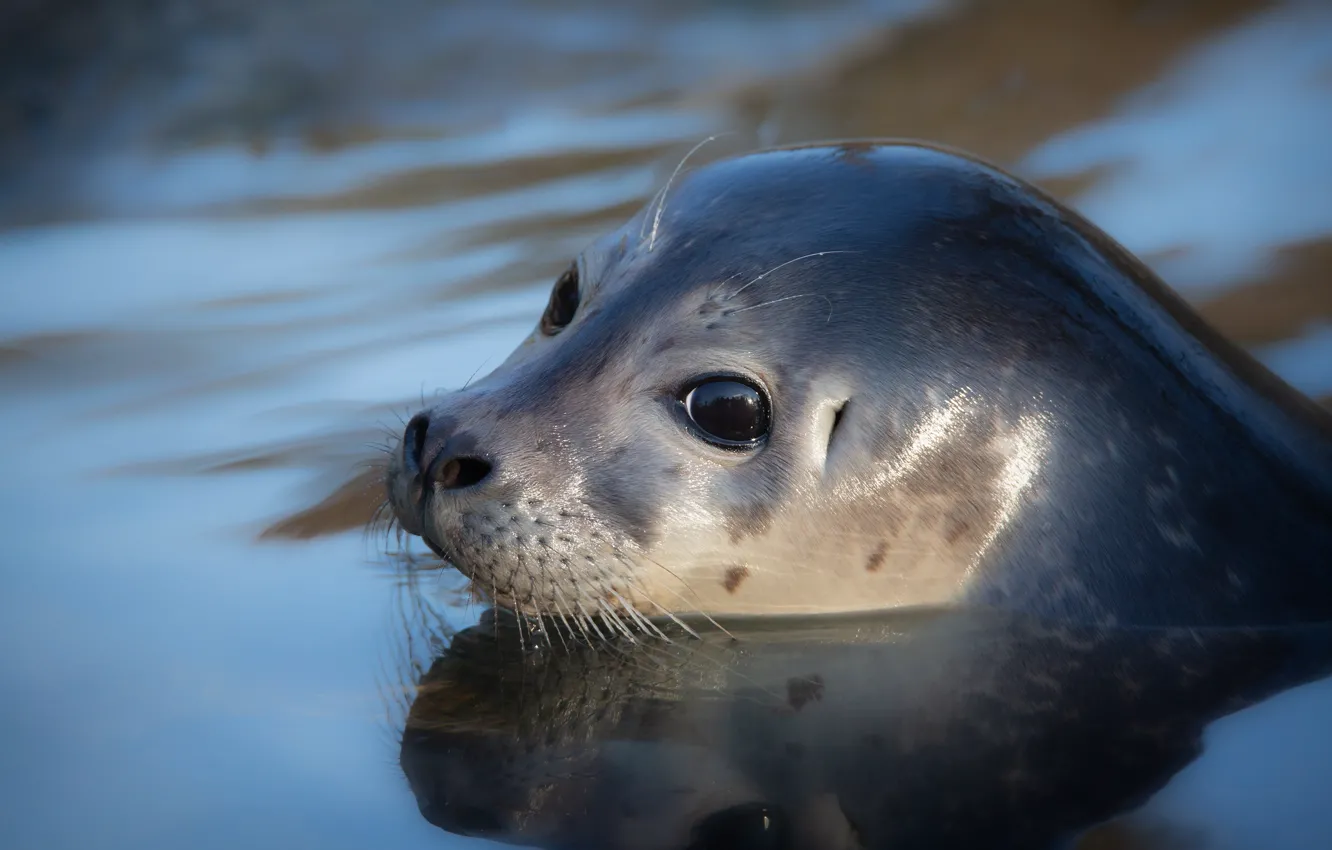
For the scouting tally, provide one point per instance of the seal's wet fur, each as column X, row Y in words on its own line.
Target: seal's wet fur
column 976, row 396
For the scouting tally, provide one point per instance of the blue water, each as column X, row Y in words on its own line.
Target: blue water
column 173, row 680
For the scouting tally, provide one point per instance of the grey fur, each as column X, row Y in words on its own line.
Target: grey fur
column 1028, row 416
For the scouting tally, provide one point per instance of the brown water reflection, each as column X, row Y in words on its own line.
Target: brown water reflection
column 998, row 78
column 973, row 731
column 241, row 241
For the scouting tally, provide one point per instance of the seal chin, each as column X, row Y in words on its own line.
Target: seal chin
column 443, row 555
column 410, row 498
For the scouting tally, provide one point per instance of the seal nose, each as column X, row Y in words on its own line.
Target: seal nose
column 442, row 458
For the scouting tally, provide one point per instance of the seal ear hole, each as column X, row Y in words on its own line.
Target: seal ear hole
column 837, row 420
column 563, row 304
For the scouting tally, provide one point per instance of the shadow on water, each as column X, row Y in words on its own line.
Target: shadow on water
column 921, row 729
column 241, row 242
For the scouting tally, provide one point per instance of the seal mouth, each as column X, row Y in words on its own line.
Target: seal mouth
column 439, row 551
column 452, row 561
column 416, row 490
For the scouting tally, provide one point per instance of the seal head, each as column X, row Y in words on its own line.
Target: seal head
column 865, row 376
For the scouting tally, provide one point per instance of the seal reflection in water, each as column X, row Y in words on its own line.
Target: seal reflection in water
column 944, row 729
column 868, row 376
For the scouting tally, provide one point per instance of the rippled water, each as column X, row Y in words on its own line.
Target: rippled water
column 228, row 271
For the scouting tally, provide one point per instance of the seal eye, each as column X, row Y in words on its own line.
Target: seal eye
column 727, row 410
column 563, row 303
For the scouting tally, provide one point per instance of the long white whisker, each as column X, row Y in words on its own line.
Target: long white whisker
column 539, row 626
column 522, row 641
column 661, row 205
column 788, row 298
column 643, row 226
column 560, row 603
column 644, row 623
column 616, row 621
column 558, row 632
column 683, row 598
column 673, row 618
column 584, row 626
column 590, row 621
column 784, row 265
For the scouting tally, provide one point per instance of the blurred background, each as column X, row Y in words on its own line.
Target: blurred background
column 241, row 241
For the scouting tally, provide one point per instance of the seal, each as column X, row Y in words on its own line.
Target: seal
column 865, row 376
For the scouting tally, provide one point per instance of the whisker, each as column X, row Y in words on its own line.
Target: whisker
column 704, row 652
column 788, row 298
column 582, row 627
column 468, row 382
column 588, row 618
column 585, row 628
column 643, row 225
column 661, row 205
column 565, row 622
column 784, row 265
column 616, row 621
column 522, row 643
column 539, row 628
column 673, row 618
column 682, row 598
column 643, row 622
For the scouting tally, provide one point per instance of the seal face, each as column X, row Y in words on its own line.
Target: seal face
column 865, row 376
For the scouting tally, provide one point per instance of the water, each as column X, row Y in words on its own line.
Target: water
column 227, row 271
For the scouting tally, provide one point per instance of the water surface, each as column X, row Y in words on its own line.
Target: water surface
column 239, row 246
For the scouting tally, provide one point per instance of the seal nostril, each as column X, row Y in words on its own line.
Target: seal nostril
column 459, row 472
column 414, row 439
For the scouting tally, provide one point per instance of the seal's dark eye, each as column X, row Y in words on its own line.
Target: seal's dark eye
column 727, row 410
column 563, row 303
column 751, row 826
